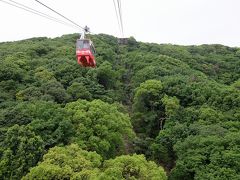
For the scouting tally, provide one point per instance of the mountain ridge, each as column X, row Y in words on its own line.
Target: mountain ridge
column 178, row 106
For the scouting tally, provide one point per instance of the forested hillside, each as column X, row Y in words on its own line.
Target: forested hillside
column 148, row 111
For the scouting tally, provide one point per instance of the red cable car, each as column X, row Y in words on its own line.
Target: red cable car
column 85, row 53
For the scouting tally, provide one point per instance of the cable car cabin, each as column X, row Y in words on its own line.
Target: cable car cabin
column 85, row 53
column 123, row 41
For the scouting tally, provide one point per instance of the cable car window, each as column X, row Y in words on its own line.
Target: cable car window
column 79, row 44
column 92, row 49
column 86, row 45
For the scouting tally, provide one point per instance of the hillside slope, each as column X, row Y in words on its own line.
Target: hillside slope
column 179, row 106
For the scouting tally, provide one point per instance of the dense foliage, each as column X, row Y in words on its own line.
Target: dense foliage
column 147, row 111
column 71, row 162
column 100, row 127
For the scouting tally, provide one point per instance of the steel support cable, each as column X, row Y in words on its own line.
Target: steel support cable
column 60, row 14
column 117, row 15
column 48, row 16
column 25, row 8
column 120, row 15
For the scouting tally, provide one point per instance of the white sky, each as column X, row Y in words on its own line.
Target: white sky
column 182, row 22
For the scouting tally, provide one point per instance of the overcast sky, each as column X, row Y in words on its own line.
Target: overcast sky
column 183, row 22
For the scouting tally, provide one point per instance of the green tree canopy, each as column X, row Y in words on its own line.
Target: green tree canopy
column 148, row 107
column 131, row 167
column 213, row 154
column 20, row 150
column 65, row 163
column 183, row 102
column 100, row 127
column 71, row 162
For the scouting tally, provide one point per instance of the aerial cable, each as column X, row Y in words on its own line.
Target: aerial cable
column 37, row 13
column 115, row 6
column 51, row 17
column 117, row 15
column 28, row 9
column 120, row 5
column 60, row 14
column 120, row 14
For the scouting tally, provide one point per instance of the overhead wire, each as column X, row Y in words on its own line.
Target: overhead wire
column 36, row 12
column 117, row 15
column 118, row 11
column 60, row 14
column 117, row 6
column 40, row 12
column 120, row 15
